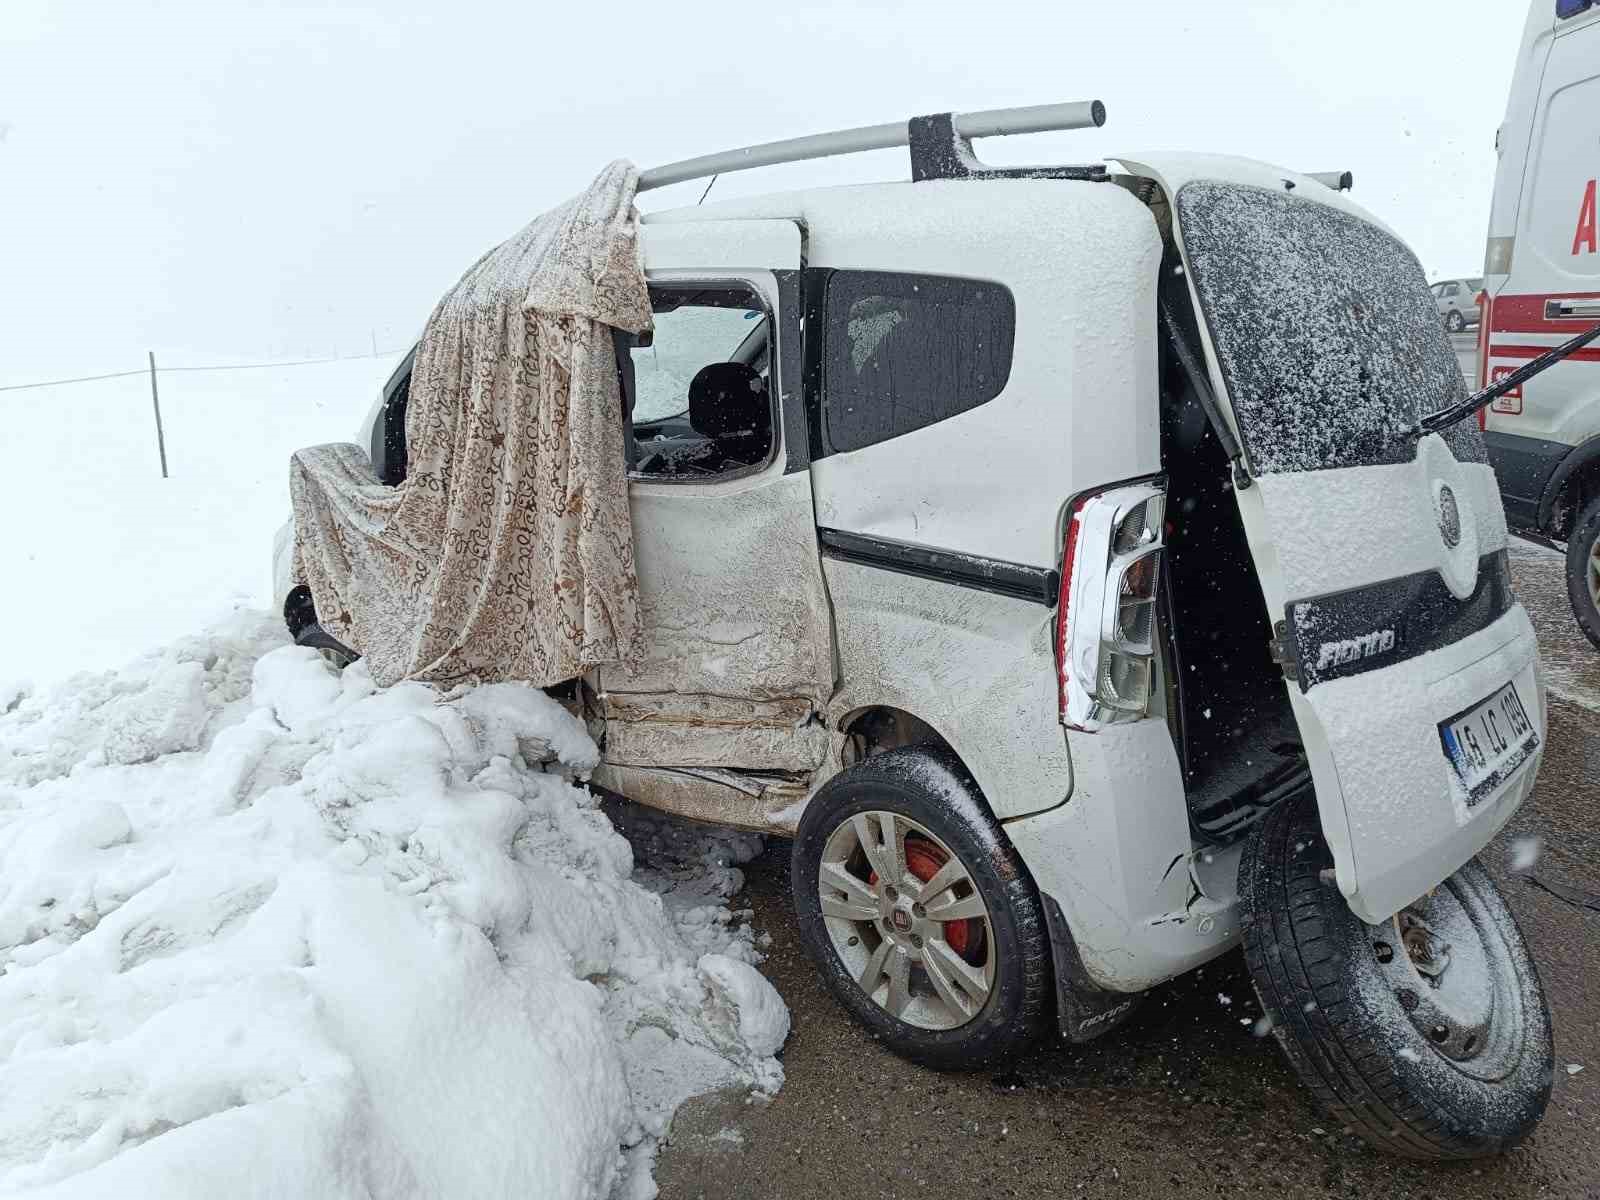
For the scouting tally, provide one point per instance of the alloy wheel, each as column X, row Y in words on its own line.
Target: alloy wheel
column 906, row 920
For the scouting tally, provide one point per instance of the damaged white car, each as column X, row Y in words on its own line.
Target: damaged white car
column 1080, row 563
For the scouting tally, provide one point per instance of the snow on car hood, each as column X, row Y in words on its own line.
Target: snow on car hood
column 268, row 930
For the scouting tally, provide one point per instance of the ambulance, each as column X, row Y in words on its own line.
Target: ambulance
column 1542, row 286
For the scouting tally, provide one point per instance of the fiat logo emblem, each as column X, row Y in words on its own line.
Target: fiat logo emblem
column 1449, row 518
column 901, row 920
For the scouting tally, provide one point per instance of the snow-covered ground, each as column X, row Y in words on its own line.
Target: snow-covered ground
column 102, row 558
column 266, row 930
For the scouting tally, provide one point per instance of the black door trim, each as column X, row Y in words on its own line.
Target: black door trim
column 947, row 566
column 789, row 362
column 1381, row 624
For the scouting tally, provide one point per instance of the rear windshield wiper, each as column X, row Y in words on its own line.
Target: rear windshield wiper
column 1445, row 417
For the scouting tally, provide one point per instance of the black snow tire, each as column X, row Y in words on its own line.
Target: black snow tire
column 929, row 785
column 1314, row 968
column 1455, row 322
column 1581, row 547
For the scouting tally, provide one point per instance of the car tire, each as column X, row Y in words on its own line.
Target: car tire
column 1583, row 571
column 1458, row 1068
column 970, row 993
column 1455, row 322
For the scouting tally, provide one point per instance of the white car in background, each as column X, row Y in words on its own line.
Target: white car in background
column 1457, row 301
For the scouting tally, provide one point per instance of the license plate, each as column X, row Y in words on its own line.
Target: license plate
column 1487, row 743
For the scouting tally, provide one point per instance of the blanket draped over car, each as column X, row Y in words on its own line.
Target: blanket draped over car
column 507, row 551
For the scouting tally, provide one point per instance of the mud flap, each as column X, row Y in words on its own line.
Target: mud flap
column 1084, row 1009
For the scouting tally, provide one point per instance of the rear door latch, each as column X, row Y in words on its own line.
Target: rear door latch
column 1283, row 652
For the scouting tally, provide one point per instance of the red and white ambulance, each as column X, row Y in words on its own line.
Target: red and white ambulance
column 1542, row 284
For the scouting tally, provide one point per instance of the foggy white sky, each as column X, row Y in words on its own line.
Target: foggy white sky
column 219, row 179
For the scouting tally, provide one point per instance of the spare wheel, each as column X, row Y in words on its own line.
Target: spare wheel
column 1428, row 1033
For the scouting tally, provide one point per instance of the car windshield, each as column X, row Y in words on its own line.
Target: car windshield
column 1328, row 338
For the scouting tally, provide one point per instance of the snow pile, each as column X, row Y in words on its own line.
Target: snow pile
column 692, row 868
column 267, row 930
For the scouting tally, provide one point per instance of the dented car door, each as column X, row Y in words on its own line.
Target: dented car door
column 720, row 719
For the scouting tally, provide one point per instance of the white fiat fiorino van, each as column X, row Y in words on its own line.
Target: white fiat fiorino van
column 1542, row 285
column 1055, row 553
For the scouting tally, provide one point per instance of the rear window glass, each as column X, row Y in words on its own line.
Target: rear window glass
column 902, row 351
column 1329, row 341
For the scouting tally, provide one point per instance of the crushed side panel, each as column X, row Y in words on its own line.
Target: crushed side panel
column 764, row 802
column 713, row 731
column 732, row 593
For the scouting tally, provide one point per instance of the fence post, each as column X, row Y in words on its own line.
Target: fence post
column 155, row 401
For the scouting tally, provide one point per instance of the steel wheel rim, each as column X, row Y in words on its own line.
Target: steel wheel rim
column 1455, row 979
column 909, row 925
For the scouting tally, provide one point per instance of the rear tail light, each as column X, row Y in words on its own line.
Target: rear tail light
column 1136, row 599
column 1105, row 617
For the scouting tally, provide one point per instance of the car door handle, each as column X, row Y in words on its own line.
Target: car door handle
column 1558, row 310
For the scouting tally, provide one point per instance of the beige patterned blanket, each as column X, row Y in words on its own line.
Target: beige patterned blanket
column 507, row 552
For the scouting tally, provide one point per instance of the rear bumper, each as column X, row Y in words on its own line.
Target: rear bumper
column 1524, row 467
column 1119, row 858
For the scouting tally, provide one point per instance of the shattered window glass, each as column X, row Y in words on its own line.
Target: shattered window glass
column 1328, row 338
column 904, row 351
column 686, row 339
column 702, row 387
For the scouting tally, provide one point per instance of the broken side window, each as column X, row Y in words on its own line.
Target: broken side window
column 702, row 386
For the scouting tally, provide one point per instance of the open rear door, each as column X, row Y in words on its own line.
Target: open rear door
column 1411, row 669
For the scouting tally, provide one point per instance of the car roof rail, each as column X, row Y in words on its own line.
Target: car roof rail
column 940, row 144
column 1339, row 181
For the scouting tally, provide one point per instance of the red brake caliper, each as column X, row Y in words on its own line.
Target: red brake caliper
column 924, row 859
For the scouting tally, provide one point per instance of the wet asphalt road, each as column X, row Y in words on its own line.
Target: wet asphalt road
column 1465, row 344
column 1183, row 1100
